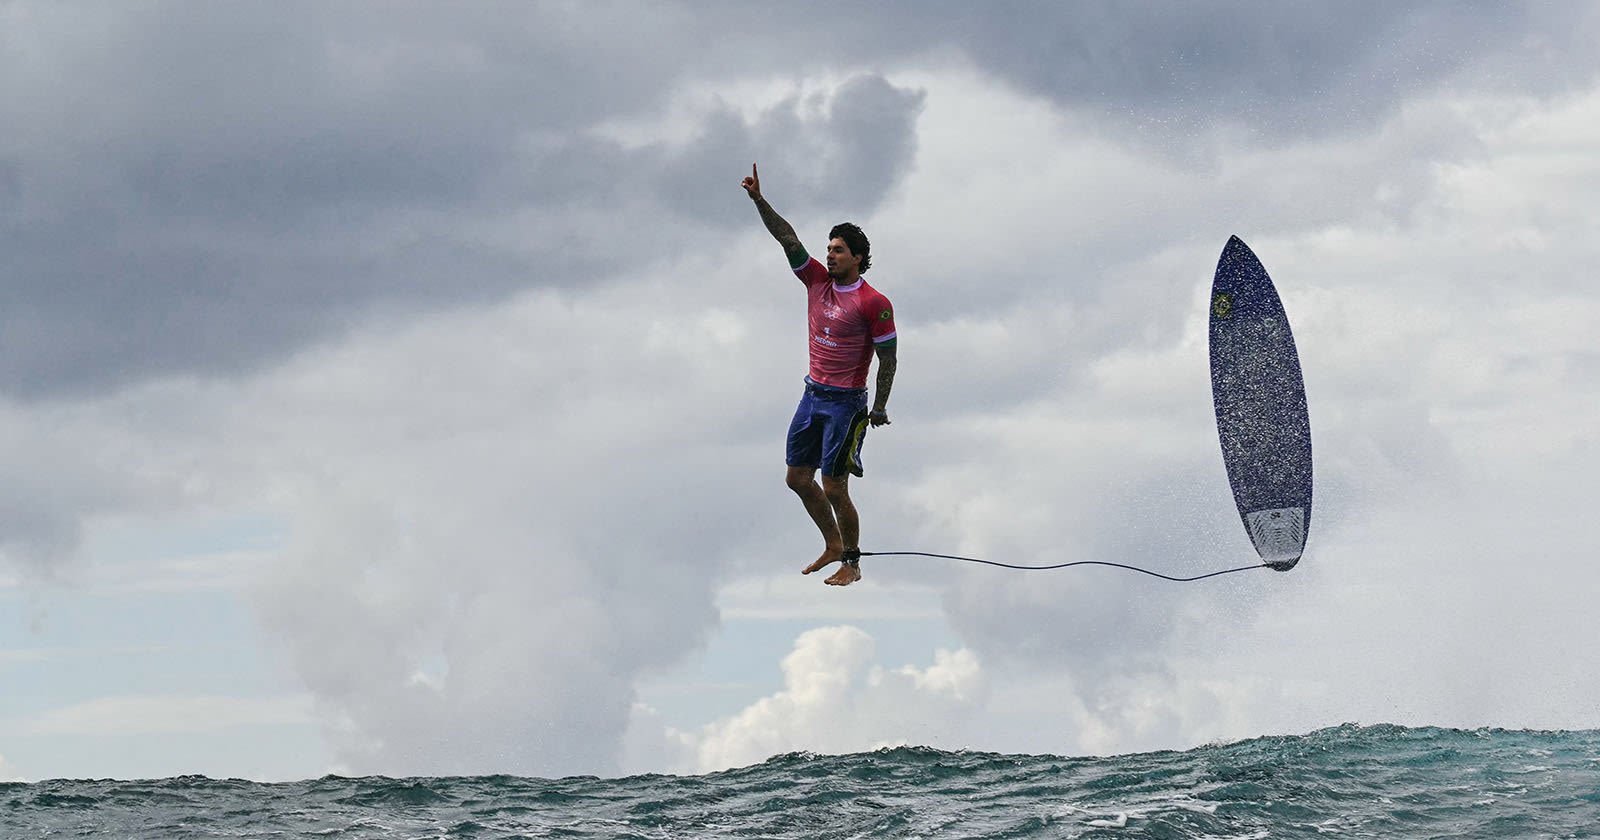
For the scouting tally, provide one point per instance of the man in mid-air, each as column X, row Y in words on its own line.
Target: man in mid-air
column 849, row 322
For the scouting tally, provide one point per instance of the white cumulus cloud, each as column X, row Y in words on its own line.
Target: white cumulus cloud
column 836, row 698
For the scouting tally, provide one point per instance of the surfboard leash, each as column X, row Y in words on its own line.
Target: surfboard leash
column 1063, row 565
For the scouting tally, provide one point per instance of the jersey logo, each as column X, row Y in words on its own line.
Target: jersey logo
column 885, row 315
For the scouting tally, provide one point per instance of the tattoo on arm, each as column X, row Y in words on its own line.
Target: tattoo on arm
column 886, row 366
column 780, row 229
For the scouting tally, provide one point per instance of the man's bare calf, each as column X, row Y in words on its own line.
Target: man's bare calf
column 835, row 516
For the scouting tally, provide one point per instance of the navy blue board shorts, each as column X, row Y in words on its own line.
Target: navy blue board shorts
column 828, row 429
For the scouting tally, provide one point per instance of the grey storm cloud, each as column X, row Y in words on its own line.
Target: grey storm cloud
column 191, row 188
column 1281, row 71
column 201, row 189
column 843, row 149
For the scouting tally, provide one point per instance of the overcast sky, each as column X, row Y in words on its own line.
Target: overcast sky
column 401, row 388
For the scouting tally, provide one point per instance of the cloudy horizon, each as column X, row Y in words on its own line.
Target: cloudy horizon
column 402, row 391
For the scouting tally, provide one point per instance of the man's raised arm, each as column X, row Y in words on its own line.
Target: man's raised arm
column 780, row 229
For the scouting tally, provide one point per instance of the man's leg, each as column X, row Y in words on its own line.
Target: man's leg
column 802, row 480
column 837, row 491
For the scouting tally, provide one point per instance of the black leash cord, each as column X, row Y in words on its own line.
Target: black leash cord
column 1064, row 565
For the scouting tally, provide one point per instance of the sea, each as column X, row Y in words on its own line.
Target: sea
column 1345, row 781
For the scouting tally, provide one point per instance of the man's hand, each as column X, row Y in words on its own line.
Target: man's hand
column 878, row 417
column 780, row 229
column 752, row 184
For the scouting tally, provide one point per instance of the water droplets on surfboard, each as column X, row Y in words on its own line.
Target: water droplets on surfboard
column 1259, row 395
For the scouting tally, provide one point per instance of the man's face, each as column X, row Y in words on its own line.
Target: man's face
column 841, row 263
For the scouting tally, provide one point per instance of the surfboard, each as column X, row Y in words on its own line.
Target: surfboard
column 1260, row 399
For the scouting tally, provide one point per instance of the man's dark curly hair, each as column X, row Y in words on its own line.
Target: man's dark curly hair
column 855, row 240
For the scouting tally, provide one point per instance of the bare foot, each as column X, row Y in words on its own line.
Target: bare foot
column 829, row 555
column 848, row 573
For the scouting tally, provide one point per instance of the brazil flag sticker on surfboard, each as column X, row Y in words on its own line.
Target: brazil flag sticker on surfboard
column 1260, row 400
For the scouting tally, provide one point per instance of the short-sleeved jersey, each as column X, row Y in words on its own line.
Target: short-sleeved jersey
column 846, row 323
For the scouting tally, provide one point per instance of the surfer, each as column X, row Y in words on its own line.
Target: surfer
column 849, row 322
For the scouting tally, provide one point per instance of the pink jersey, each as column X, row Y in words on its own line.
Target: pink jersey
column 846, row 322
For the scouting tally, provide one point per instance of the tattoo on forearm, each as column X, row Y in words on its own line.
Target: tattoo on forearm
column 780, row 229
column 886, row 365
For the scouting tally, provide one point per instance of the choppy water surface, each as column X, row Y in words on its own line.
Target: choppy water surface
column 1379, row 781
